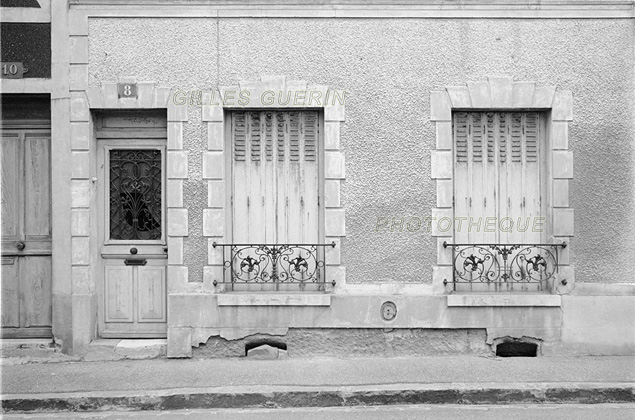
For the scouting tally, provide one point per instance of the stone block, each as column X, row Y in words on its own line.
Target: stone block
column 80, row 250
column 80, row 135
column 215, row 255
column 80, row 222
column 213, row 273
column 80, row 165
column 263, row 352
column 177, row 222
column 78, row 77
column 179, row 342
column 440, row 106
column 459, row 96
column 445, row 193
column 337, row 274
column 145, row 94
column 332, row 193
column 333, row 112
column 563, row 253
column 563, row 222
column 213, row 165
column 177, row 165
column 562, row 109
column 175, row 250
column 543, row 96
column 212, row 113
column 213, row 222
column 501, row 91
column 335, row 222
column 275, row 83
column 523, row 94
column 177, row 113
column 504, row 300
column 79, row 107
column 78, row 48
column 560, row 193
column 480, row 94
column 110, row 95
column 441, row 274
column 215, row 135
column 444, row 255
column 565, row 282
column 441, row 224
column 332, row 255
column 562, row 164
column 80, row 193
column 334, row 165
column 559, row 135
column 441, row 164
column 174, row 193
column 95, row 97
column 162, row 96
column 80, row 274
column 444, row 135
column 332, row 135
column 177, row 280
column 175, row 136
column 77, row 23
column 216, row 194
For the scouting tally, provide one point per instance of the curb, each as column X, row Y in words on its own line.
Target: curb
column 287, row 397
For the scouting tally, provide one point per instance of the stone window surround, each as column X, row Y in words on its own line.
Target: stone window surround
column 502, row 93
column 216, row 214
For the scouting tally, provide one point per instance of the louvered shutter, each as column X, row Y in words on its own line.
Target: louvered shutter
column 275, row 185
column 497, row 173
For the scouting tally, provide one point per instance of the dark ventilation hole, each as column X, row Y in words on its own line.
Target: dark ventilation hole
column 258, row 343
column 517, row 349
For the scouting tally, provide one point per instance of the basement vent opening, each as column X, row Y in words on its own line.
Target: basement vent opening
column 258, row 343
column 517, row 349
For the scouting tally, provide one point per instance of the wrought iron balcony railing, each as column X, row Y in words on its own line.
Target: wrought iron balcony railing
column 274, row 263
column 505, row 266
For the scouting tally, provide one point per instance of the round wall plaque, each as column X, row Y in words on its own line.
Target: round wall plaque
column 388, row 311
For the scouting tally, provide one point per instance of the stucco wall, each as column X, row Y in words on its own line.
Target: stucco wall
column 388, row 68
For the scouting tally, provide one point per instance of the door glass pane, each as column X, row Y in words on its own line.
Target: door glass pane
column 135, row 194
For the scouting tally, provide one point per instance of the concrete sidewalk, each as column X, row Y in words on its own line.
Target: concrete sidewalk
column 246, row 383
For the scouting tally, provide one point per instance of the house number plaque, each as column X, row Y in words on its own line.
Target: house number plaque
column 12, row 70
column 388, row 311
column 127, row 90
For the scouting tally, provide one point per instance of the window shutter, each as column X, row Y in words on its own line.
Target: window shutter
column 461, row 128
column 239, row 131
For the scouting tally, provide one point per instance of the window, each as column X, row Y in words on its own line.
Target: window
column 498, row 202
column 275, row 199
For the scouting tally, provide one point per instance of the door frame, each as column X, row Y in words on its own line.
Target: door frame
column 155, row 250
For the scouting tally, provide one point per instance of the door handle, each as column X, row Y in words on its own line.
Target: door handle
column 20, row 245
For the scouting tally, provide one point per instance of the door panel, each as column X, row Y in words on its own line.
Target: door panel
column 10, row 292
column 151, row 293
column 35, row 290
column 26, row 233
column 119, row 294
column 38, row 201
column 10, row 152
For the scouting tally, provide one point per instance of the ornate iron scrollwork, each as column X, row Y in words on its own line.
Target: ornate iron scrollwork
column 505, row 263
column 135, row 194
column 277, row 263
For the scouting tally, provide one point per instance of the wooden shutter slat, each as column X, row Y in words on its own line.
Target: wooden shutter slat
column 239, row 131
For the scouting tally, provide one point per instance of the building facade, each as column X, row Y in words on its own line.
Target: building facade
column 332, row 178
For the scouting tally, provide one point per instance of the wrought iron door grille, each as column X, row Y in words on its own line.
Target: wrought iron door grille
column 135, row 194
column 504, row 265
column 274, row 263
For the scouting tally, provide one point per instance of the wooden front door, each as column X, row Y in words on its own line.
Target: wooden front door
column 26, row 233
column 133, row 234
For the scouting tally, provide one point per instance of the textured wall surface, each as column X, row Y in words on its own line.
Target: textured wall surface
column 388, row 68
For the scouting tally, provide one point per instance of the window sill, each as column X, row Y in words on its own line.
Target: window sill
column 274, row 299
column 504, row 300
